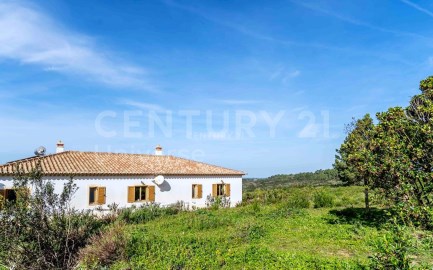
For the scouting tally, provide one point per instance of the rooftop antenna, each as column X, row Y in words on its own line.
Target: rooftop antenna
column 159, row 180
column 40, row 151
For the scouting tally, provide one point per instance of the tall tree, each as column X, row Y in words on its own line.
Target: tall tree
column 354, row 159
column 395, row 156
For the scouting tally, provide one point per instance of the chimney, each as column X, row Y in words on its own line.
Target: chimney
column 158, row 150
column 60, row 147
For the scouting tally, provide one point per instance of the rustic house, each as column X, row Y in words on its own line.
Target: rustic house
column 129, row 179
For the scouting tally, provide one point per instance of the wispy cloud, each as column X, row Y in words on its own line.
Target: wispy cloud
column 418, row 7
column 284, row 75
column 30, row 36
column 243, row 29
column 237, row 101
column 355, row 21
column 247, row 31
column 142, row 105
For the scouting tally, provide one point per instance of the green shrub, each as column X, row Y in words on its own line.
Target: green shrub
column 393, row 249
column 284, row 211
column 105, row 248
column 215, row 203
column 255, row 232
column 255, row 207
column 205, row 220
column 347, row 201
column 298, row 200
column 323, row 199
column 146, row 213
column 40, row 230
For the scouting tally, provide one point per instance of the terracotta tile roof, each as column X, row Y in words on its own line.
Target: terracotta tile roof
column 93, row 163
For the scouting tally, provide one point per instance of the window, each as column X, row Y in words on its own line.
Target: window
column 141, row 194
column 8, row 195
column 220, row 190
column 197, row 191
column 11, row 195
column 97, row 195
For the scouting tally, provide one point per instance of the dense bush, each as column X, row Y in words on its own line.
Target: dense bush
column 298, row 200
column 323, row 199
column 217, row 202
column 147, row 212
column 39, row 230
column 393, row 249
column 105, row 248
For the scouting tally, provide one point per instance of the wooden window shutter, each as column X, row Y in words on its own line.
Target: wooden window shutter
column 131, row 194
column 227, row 190
column 200, row 191
column 214, row 190
column 151, row 190
column 101, row 195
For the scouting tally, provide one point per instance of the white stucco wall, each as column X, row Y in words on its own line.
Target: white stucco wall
column 175, row 188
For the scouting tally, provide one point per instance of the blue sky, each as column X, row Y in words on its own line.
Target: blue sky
column 261, row 86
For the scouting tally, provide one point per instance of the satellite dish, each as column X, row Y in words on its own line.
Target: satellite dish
column 40, row 151
column 159, row 180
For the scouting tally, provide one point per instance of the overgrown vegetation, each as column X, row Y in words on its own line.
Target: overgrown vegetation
column 39, row 230
column 272, row 229
column 317, row 178
column 298, row 228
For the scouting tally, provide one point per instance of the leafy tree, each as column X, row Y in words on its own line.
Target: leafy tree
column 394, row 157
column 354, row 159
column 39, row 230
column 404, row 154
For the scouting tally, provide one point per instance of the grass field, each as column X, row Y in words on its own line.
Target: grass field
column 270, row 230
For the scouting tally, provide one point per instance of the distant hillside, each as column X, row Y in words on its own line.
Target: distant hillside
column 317, row 178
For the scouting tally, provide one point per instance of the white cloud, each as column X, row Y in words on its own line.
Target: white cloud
column 237, row 101
column 30, row 36
column 143, row 105
column 285, row 76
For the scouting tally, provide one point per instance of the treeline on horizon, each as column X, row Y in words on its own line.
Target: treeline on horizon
column 317, row 178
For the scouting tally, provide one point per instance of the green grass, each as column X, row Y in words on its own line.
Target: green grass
column 271, row 229
column 255, row 236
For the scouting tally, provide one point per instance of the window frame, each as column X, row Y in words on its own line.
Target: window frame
column 95, row 198
column 7, row 190
column 221, row 189
column 146, row 194
column 150, row 194
column 97, row 195
column 196, row 194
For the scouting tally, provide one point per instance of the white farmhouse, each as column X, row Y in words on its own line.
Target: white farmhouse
column 129, row 179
